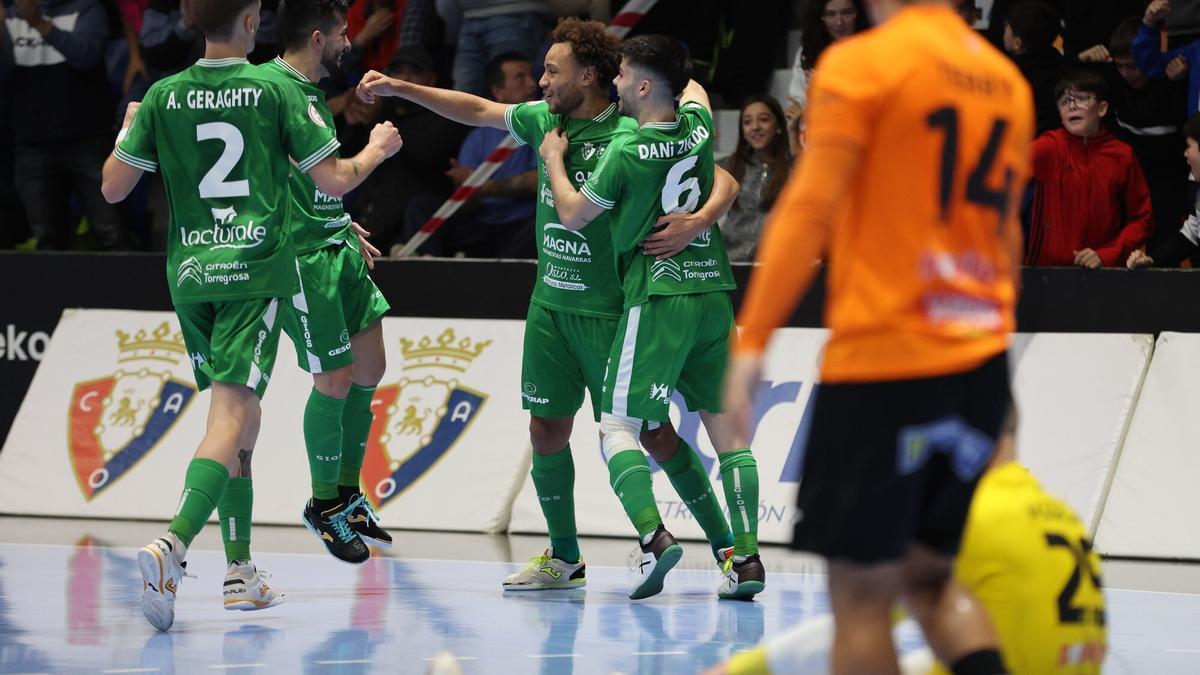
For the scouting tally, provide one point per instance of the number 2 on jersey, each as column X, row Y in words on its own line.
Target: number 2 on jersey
column 215, row 183
column 1068, row 612
column 978, row 191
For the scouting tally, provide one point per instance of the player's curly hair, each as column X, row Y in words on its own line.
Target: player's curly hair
column 591, row 44
column 297, row 19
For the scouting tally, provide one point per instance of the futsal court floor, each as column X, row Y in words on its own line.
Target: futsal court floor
column 69, row 604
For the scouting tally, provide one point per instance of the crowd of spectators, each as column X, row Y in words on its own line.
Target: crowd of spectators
column 69, row 67
column 1114, row 84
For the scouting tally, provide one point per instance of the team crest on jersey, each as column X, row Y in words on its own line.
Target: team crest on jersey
column 117, row 420
column 315, row 116
column 419, row 419
column 590, row 150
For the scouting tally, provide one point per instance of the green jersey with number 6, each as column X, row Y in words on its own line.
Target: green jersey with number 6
column 576, row 273
column 664, row 167
column 222, row 135
column 317, row 219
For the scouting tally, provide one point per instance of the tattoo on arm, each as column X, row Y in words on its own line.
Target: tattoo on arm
column 354, row 164
column 244, row 462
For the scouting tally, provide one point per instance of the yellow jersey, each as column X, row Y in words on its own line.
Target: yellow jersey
column 1028, row 559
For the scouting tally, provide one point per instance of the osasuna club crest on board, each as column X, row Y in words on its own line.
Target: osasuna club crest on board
column 117, row 420
column 419, row 419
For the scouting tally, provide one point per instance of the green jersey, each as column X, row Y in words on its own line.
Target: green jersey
column 662, row 168
column 317, row 219
column 222, row 134
column 576, row 272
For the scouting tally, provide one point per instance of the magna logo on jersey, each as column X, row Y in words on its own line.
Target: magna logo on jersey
column 115, row 421
column 419, row 419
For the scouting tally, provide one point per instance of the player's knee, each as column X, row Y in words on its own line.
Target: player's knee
column 548, row 436
column 661, row 442
column 618, row 433
column 864, row 585
column 335, row 383
column 370, row 363
column 925, row 577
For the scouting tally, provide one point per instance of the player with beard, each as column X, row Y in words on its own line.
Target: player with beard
column 675, row 332
column 577, row 299
column 334, row 321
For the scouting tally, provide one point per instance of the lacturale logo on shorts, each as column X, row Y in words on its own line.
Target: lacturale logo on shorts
column 419, row 419
column 116, row 420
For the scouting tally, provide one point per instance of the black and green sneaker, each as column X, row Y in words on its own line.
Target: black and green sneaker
column 363, row 520
column 331, row 527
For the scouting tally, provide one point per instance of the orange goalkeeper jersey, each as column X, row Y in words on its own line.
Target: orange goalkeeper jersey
column 923, row 248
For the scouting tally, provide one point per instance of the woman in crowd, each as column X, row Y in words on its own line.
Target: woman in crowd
column 825, row 22
column 761, row 164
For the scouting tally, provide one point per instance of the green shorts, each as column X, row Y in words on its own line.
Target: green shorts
column 337, row 300
column 563, row 354
column 233, row 341
column 670, row 342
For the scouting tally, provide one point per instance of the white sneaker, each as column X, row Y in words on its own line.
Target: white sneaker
column 245, row 588
column 162, row 566
column 545, row 572
column 650, row 562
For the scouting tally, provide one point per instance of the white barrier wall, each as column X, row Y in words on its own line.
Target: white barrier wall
column 112, row 418
column 1075, row 393
column 1153, row 505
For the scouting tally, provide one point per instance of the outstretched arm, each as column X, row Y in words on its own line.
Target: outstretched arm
column 458, row 106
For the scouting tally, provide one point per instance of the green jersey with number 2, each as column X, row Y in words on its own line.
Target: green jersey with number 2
column 664, row 167
column 576, row 272
column 221, row 133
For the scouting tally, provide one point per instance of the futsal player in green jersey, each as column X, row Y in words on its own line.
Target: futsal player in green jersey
column 678, row 319
column 222, row 135
column 334, row 319
column 577, row 297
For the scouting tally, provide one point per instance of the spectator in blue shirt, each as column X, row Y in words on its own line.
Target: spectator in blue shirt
column 1174, row 64
column 498, row 221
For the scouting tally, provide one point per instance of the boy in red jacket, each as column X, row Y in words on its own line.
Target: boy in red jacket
column 1091, row 206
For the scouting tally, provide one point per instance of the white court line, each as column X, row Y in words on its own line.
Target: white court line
column 660, row 653
column 343, row 662
column 1184, row 651
column 114, row 671
column 236, row 666
column 456, row 658
column 551, row 656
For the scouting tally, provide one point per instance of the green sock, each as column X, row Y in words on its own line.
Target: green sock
column 203, row 485
column 234, row 510
column 691, row 481
column 739, row 473
column 323, row 438
column 554, row 481
column 629, row 476
column 356, row 426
